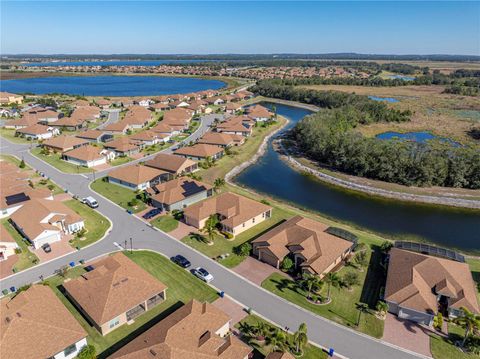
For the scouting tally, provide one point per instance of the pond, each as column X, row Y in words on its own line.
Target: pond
column 445, row 226
column 110, row 85
column 421, row 137
column 387, row 99
column 401, row 77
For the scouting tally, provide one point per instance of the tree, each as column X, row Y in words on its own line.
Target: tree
column 361, row 259
column 470, row 321
column 218, row 183
column 210, row 227
column 382, row 308
column 351, row 279
column 22, row 164
column 243, row 250
column 300, row 338
column 332, row 280
column 386, row 246
column 438, row 321
column 362, row 308
column 286, row 264
column 311, row 283
column 87, row 352
column 277, row 340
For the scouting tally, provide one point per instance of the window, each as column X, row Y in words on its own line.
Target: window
column 243, row 225
column 253, row 220
column 69, row 350
column 114, row 323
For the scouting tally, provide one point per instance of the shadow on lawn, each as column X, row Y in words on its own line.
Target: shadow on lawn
column 375, row 278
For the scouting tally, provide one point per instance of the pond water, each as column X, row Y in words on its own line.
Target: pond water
column 110, row 85
column 421, row 137
column 401, row 77
column 116, row 63
column 387, row 99
column 444, row 226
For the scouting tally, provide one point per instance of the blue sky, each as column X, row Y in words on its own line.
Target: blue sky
column 240, row 27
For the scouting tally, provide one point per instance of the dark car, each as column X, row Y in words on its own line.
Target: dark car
column 181, row 261
column 46, row 247
column 152, row 213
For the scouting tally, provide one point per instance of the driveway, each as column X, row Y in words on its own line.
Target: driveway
column 407, row 334
column 256, row 271
column 59, row 249
column 231, row 308
column 183, row 230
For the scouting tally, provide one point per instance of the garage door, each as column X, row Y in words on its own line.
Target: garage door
column 422, row 318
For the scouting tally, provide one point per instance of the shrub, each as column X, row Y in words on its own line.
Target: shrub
column 286, row 264
column 87, row 352
column 227, row 235
column 264, row 201
column 386, row 246
column 22, row 164
column 133, row 202
column 81, row 233
column 438, row 321
column 351, row 279
column 51, row 187
column 243, row 250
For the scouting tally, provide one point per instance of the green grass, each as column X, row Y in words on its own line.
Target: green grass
column 155, row 148
column 55, row 160
column 26, row 259
column 474, row 264
column 9, row 134
column 342, row 308
column 165, row 223
column 120, row 160
column 261, row 349
column 117, row 194
column 444, row 348
column 182, row 287
column 95, row 223
column 222, row 245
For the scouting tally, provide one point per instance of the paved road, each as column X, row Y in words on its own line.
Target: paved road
column 321, row 331
column 113, row 116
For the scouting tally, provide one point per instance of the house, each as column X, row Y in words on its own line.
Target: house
column 236, row 213
column 175, row 165
column 279, row 355
column 36, row 324
column 239, row 125
column 115, row 292
column 70, row 123
column 217, row 101
column 25, row 121
column 232, row 107
column 198, row 106
column 421, row 285
column 179, row 193
column 117, row 127
column 137, row 117
column 165, row 129
column 159, row 107
column 221, row 139
column 7, row 244
column 178, row 117
column 124, row 146
column 88, row 156
column 8, row 113
column 103, row 103
column 47, row 116
column 146, row 102
column 243, row 95
column 259, row 113
column 195, row 330
column 179, row 104
column 37, row 132
column 7, row 97
column 200, row 151
column 137, row 177
column 44, row 221
column 149, row 137
column 64, row 143
column 95, row 136
column 307, row 242
column 87, row 113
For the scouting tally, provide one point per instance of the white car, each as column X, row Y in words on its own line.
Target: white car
column 90, row 201
column 203, row 274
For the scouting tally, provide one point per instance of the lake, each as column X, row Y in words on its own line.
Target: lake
column 387, row 99
column 110, row 85
column 401, row 77
column 444, row 226
column 116, row 63
column 421, row 137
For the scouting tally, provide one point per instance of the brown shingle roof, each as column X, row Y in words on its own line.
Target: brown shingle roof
column 178, row 189
column 135, row 174
column 187, row 333
column 85, row 153
column 221, row 139
column 199, row 150
column 279, row 355
column 34, row 129
column 64, row 142
column 122, row 144
column 413, row 278
column 236, row 209
column 90, row 134
column 137, row 115
column 177, row 116
column 170, row 163
column 116, row 285
column 38, row 325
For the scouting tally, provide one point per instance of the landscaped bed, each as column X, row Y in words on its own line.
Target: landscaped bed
column 118, row 194
column 444, row 348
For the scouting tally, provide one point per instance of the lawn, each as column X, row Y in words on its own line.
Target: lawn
column 261, row 349
column 26, row 259
column 120, row 160
column 475, row 269
column 55, row 160
column 222, row 245
column 9, row 134
column 117, row 194
column 342, row 308
column 95, row 223
column 442, row 348
column 182, row 287
column 155, row 148
column 165, row 223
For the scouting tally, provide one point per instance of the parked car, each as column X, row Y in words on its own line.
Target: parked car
column 181, row 261
column 46, row 248
column 202, row 274
column 90, row 201
column 152, row 213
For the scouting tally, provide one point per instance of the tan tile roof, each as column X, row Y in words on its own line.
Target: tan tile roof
column 122, row 144
column 31, row 216
column 137, row 115
column 90, row 134
column 117, row 127
column 413, row 279
column 86, row 112
column 279, row 355
column 38, row 325
column 85, row 153
column 178, row 189
column 135, row 174
column 187, row 333
column 35, row 129
column 5, row 235
column 257, row 111
column 221, row 139
column 69, row 121
column 26, row 120
column 199, row 150
column 170, row 163
column 306, row 237
column 162, row 128
column 116, row 285
column 177, row 116
column 236, row 209
column 147, row 135
column 64, row 142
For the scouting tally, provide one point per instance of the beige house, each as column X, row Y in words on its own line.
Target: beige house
column 7, row 97
column 175, row 165
column 221, row 139
column 115, row 292
column 196, row 330
column 200, row 151
column 137, row 177
column 88, row 156
column 236, row 213
column 7, row 244
column 313, row 249
column 64, row 143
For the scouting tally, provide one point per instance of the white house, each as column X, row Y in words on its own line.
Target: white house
column 37, row 132
column 88, row 156
column 7, row 244
column 146, row 103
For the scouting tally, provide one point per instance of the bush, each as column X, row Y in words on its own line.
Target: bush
column 22, row 164
column 81, row 233
column 87, row 352
column 51, row 187
column 178, row 215
column 351, row 279
column 386, row 246
column 243, row 250
column 264, row 201
column 133, row 202
column 227, row 235
column 438, row 321
column 286, row 264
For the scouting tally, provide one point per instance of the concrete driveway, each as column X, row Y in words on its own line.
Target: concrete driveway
column 231, row 308
column 256, row 271
column 59, row 249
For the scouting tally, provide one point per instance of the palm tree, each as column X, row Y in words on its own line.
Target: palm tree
column 362, row 308
column 332, row 279
column 277, row 340
column 300, row 338
column 218, row 183
column 470, row 321
column 361, row 259
column 210, row 227
column 311, row 282
column 382, row 307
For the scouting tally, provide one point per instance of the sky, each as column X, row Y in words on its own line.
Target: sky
column 198, row 27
